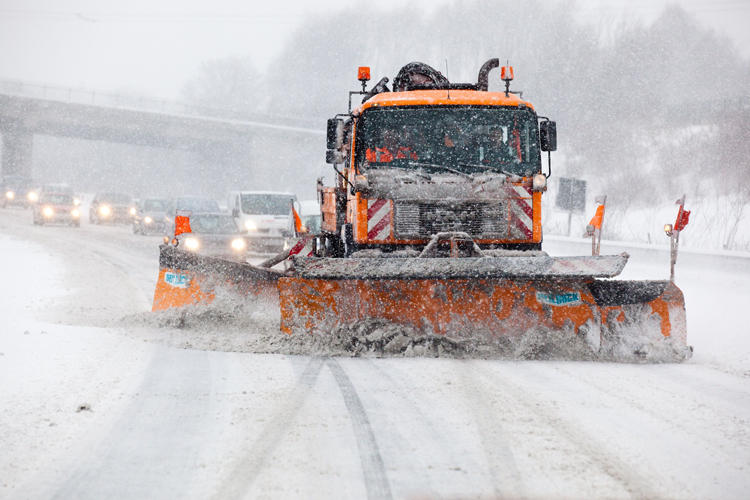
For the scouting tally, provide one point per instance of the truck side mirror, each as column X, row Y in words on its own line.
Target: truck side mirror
column 548, row 136
column 335, row 133
column 235, row 212
column 335, row 157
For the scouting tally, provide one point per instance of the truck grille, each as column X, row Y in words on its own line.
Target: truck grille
column 421, row 220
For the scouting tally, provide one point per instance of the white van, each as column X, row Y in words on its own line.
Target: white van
column 265, row 214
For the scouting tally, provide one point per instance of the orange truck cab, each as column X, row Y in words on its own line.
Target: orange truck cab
column 430, row 157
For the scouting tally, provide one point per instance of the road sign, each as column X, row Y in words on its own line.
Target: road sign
column 571, row 195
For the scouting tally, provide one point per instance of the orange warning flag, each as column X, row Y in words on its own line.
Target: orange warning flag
column 683, row 217
column 596, row 221
column 182, row 222
column 297, row 220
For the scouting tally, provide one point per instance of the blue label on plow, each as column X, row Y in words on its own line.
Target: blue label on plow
column 178, row 280
column 559, row 299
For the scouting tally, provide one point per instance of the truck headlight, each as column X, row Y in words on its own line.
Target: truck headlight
column 238, row 244
column 539, row 183
column 250, row 225
column 105, row 211
column 75, row 213
column 132, row 211
column 48, row 212
column 10, row 195
column 32, row 196
column 192, row 244
column 148, row 220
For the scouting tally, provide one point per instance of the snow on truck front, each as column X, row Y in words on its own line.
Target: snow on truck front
column 431, row 161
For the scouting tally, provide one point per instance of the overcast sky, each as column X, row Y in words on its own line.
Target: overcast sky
column 155, row 46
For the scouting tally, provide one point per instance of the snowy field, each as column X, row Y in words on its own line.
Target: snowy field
column 93, row 408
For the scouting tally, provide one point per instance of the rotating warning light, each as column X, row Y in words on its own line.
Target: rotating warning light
column 506, row 73
column 363, row 74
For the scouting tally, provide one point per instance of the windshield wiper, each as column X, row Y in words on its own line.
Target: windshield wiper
column 411, row 170
column 483, row 167
column 504, row 172
column 441, row 167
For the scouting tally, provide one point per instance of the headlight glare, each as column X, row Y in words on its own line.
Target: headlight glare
column 10, row 195
column 191, row 243
column 132, row 211
column 48, row 212
column 75, row 213
column 539, row 182
column 104, row 210
column 250, row 225
column 238, row 244
column 148, row 220
column 33, row 196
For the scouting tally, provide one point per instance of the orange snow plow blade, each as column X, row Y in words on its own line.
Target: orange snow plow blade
column 492, row 298
column 186, row 278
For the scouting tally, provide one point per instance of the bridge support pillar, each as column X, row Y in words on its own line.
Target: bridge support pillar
column 18, row 144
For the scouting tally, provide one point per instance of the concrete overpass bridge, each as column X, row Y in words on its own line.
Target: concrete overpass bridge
column 30, row 109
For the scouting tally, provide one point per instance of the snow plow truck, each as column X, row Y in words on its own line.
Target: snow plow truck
column 434, row 224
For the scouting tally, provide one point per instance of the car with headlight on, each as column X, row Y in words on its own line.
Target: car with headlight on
column 112, row 207
column 56, row 208
column 192, row 204
column 17, row 190
column 149, row 215
column 266, row 216
column 215, row 234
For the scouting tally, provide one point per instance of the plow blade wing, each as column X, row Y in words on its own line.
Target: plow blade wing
column 187, row 278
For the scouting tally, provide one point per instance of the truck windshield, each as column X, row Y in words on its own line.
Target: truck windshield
column 266, row 204
column 467, row 139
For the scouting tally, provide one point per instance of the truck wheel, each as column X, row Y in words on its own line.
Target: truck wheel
column 347, row 240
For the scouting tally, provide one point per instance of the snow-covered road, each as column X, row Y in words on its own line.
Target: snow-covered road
column 162, row 422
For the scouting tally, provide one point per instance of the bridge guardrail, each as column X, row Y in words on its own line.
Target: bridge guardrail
column 124, row 101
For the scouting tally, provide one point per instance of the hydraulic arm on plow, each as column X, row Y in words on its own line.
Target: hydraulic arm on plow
column 434, row 224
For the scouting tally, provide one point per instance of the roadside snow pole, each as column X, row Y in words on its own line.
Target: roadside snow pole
column 594, row 229
column 673, row 232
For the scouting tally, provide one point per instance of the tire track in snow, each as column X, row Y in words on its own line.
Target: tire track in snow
column 720, row 417
column 151, row 432
column 249, row 467
column 501, row 462
column 609, row 463
column 373, row 468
